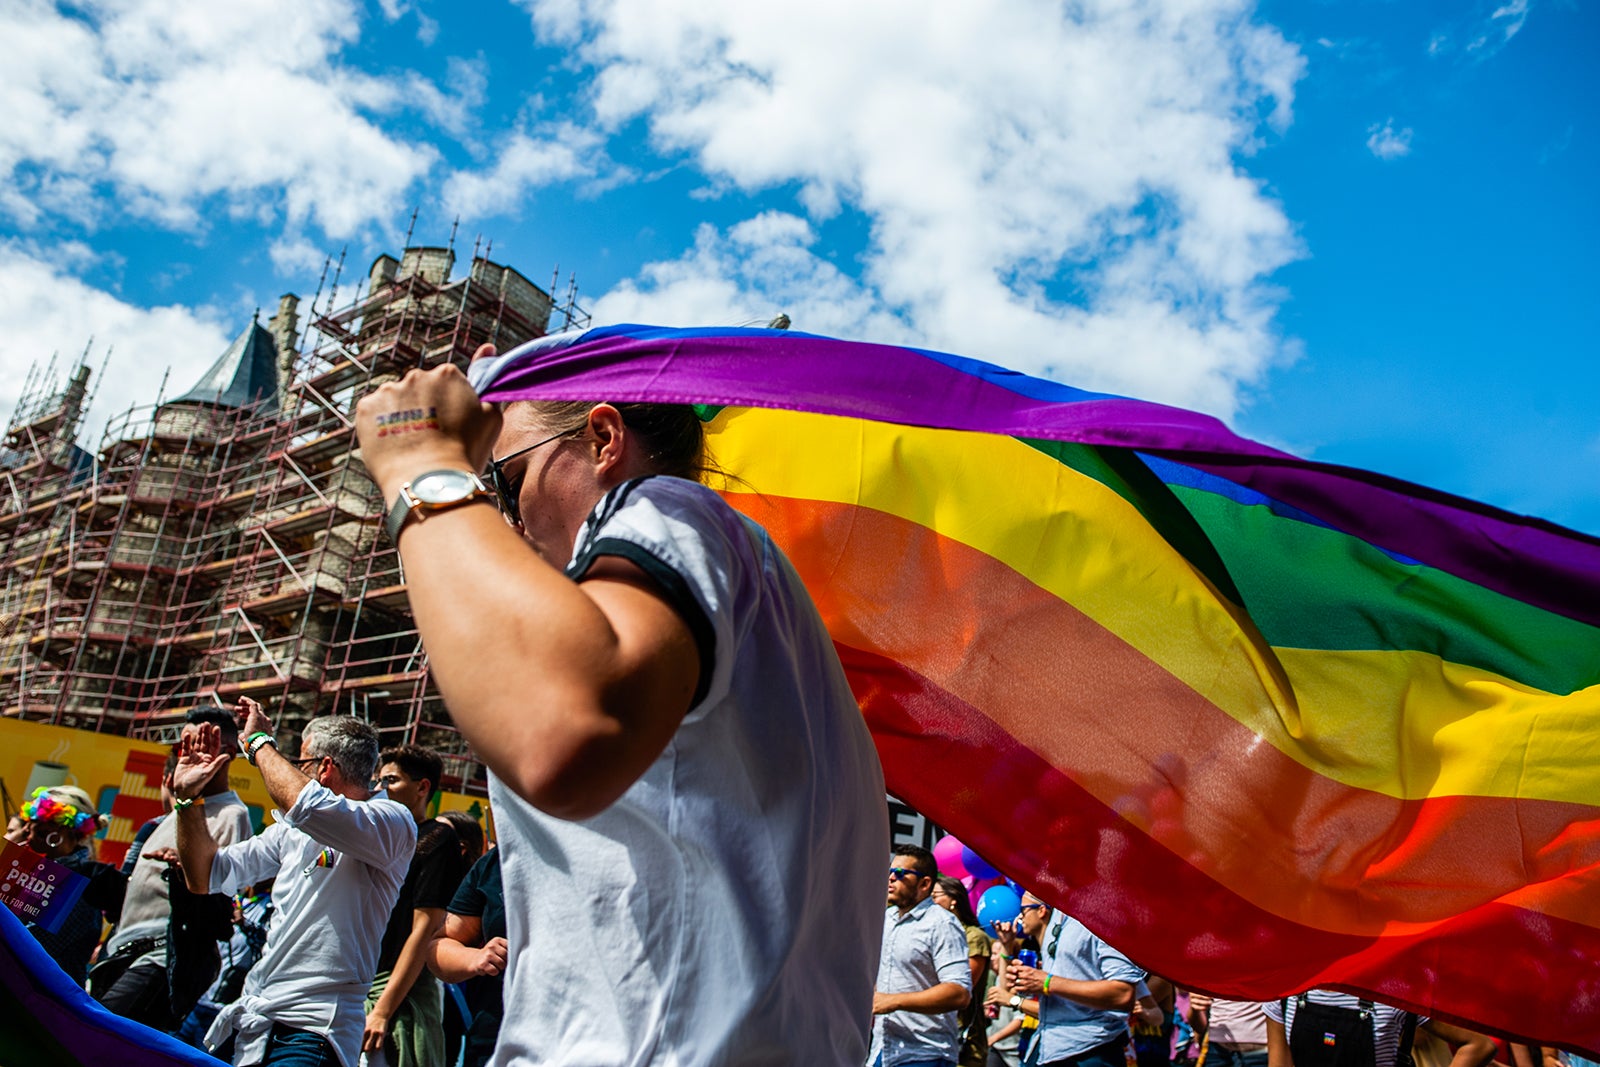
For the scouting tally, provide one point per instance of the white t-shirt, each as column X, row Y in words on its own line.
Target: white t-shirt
column 727, row 908
column 1237, row 1022
column 146, row 907
column 339, row 864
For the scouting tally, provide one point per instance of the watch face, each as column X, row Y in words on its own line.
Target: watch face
column 443, row 487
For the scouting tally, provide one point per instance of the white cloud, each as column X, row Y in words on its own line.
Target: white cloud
column 1485, row 34
column 1054, row 189
column 1502, row 25
column 554, row 153
column 746, row 276
column 156, row 108
column 45, row 309
column 295, row 254
column 1386, row 142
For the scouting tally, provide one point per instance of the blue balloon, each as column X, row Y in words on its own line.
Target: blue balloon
column 999, row 904
column 977, row 866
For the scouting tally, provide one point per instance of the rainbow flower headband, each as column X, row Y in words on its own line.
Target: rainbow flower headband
column 46, row 808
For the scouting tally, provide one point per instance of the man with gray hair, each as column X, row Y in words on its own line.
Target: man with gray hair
column 339, row 859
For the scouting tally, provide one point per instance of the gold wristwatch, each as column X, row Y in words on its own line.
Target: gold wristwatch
column 431, row 492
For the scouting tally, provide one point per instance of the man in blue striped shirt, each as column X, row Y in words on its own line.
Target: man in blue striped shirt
column 1085, row 990
column 923, row 977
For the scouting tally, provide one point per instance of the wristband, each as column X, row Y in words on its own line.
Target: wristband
column 257, row 743
column 245, row 744
column 1047, row 985
column 179, row 803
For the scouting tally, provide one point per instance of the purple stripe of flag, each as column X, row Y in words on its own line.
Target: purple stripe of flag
column 1528, row 559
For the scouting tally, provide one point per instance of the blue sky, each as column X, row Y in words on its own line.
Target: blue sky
column 1362, row 231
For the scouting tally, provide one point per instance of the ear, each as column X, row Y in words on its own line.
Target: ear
column 609, row 438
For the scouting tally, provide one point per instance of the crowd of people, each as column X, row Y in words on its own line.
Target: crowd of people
column 328, row 933
column 689, row 809
column 1045, row 990
column 391, row 938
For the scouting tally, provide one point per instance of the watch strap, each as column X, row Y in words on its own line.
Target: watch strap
column 396, row 517
column 406, row 503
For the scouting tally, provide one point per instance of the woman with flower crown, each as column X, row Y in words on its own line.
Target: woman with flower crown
column 61, row 822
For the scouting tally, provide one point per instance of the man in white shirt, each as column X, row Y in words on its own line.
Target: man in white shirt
column 339, row 859
column 923, row 977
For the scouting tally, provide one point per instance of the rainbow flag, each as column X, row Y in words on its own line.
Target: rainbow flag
column 48, row 1021
column 1262, row 723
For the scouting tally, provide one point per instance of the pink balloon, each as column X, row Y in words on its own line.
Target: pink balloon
column 979, row 887
column 947, row 852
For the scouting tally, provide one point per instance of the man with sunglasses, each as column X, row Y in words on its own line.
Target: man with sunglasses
column 339, row 856
column 923, row 977
column 1084, row 990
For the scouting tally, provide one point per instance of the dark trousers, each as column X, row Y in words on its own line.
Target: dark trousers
column 141, row 995
column 1217, row 1056
column 1109, row 1054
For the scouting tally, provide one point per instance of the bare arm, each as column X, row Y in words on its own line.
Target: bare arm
column 281, row 777
column 196, row 848
column 999, row 996
column 935, row 1000
column 200, row 756
column 1199, row 1013
column 1472, row 1049
column 1278, row 1046
column 1108, row 995
column 455, row 955
column 1005, row 1031
column 425, row 922
column 616, row 667
column 1105, row 994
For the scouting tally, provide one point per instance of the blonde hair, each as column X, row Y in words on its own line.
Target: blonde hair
column 66, row 806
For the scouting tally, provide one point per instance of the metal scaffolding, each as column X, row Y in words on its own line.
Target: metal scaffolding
column 227, row 542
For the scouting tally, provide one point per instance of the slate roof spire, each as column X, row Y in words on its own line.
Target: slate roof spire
column 246, row 373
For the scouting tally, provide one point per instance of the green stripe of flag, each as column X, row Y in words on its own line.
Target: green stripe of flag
column 1308, row 586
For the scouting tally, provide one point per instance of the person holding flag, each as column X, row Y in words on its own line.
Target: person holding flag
column 674, row 749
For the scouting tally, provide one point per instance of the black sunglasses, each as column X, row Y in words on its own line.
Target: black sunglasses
column 506, row 491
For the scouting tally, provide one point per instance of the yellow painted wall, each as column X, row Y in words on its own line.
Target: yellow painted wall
column 123, row 777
